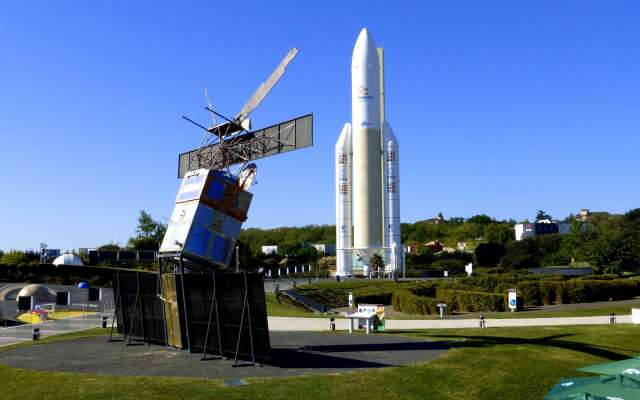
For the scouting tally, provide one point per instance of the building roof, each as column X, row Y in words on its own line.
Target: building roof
column 68, row 259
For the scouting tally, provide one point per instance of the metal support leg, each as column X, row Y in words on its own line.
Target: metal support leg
column 214, row 306
column 245, row 305
column 115, row 310
column 184, row 303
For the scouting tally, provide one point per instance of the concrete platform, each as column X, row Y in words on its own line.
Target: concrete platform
column 293, row 353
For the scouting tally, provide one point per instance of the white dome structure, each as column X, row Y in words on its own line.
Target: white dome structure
column 41, row 293
column 68, row 259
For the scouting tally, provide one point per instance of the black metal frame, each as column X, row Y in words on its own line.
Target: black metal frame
column 115, row 314
column 137, row 305
column 214, row 305
column 245, row 305
column 178, row 259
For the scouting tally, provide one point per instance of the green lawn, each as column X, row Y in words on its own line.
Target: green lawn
column 286, row 307
column 498, row 363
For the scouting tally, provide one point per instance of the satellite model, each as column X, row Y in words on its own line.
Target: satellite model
column 191, row 304
column 213, row 200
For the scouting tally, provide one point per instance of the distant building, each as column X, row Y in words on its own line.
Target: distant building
column 538, row 228
column 271, row 249
column 326, row 248
column 564, row 228
column 97, row 257
column 583, row 215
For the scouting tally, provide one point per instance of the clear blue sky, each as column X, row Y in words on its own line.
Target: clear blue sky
column 500, row 108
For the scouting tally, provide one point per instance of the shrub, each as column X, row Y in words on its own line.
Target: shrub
column 462, row 300
column 374, row 297
column 407, row 302
column 530, row 293
column 548, row 291
column 602, row 277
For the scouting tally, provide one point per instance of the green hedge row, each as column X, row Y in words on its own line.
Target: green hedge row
column 536, row 293
column 468, row 301
column 380, row 296
column 56, row 274
column 407, row 302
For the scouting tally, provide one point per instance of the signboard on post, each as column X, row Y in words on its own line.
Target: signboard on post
column 513, row 300
column 350, row 300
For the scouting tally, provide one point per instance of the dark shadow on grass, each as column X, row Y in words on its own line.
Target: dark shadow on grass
column 480, row 341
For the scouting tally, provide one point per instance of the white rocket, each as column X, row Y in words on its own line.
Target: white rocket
column 367, row 170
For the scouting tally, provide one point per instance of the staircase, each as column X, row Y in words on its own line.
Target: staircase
column 306, row 302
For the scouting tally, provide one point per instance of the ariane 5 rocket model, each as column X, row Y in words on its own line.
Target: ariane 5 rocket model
column 367, row 171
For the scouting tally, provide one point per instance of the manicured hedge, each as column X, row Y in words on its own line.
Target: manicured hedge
column 52, row 274
column 530, row 293
column 407, row 302
column 535, row 293
column 468, row 301
column 373, row 297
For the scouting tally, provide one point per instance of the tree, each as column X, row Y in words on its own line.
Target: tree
column 109, row 246
column 612, row 254
column 520, row 254
column 498, row 233
column 149, row 233
column 376, row 262
column 489, row 254
column 327, row 263
column 14, row 257
column 481, row 219
column 540, row 215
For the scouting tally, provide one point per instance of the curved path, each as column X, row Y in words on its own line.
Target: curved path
column 323, row 324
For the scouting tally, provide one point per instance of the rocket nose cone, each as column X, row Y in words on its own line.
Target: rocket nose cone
column 364, row 52
column 365, row 40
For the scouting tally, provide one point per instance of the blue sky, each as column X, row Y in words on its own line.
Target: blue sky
column 501, row 108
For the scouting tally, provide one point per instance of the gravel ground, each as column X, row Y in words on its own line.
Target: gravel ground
column 293, row 353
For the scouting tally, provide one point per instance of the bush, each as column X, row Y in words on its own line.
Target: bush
column 374, row 297
column 14, row 257
column 452, row 265
column 586, row 291
column 603, row 277
column 407, row 302
column 548, row 291
column 462, row 300
column 530, row 293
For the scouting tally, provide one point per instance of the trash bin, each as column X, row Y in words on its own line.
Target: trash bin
column 104, row 322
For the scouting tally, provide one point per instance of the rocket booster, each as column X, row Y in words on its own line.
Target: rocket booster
column 344, row 190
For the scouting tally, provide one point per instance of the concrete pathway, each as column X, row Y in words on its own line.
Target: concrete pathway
column 323, row 324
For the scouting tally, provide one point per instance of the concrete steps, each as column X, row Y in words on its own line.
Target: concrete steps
column 309, row 304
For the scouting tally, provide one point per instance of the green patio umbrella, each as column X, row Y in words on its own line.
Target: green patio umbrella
column 629, row 367
column 614, row 387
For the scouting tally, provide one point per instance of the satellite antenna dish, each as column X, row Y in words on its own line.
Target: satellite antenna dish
column 231, row 142
column 214, row 118
column 242, row 122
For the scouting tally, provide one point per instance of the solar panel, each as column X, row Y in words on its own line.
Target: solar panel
column 280, row 138
column 140, row 312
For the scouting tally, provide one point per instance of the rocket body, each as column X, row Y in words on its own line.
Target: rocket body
column 367, row 210
column 367, row 152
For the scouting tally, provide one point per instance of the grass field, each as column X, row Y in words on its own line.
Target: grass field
column 499, row 363
column 287, row 307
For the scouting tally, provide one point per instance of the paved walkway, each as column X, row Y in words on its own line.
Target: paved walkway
column 20, row 333
column 322, row 324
